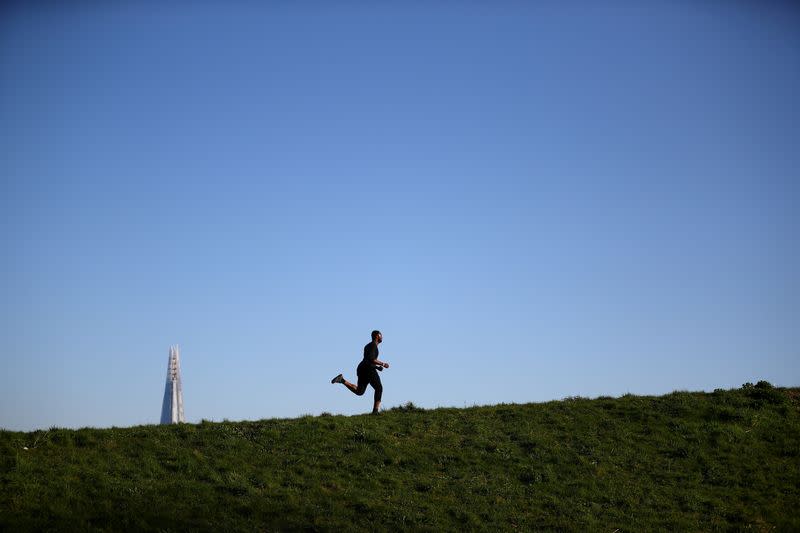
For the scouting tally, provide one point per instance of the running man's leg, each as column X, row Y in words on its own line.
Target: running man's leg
column 363, row 381
column 359, row 389
column 355, row 389
column 375, row 381
column 366, row 376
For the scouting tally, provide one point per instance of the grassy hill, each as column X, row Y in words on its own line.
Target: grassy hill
column 681, row 462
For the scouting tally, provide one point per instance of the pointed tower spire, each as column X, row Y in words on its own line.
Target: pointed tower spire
column 172, row 408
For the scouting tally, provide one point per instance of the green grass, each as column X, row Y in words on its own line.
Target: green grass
column 682, row 462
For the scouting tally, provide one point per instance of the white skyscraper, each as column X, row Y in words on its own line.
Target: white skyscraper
column 172, row 410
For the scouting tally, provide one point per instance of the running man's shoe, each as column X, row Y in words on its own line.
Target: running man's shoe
column 338, row 379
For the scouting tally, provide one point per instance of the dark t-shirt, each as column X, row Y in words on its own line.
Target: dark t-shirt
column 370, row 352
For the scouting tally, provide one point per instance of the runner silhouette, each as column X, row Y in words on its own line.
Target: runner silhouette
column 367, row 372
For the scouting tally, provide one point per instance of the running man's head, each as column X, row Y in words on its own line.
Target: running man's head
column 377, row 337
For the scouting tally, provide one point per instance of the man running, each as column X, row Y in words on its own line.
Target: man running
column 367, row 372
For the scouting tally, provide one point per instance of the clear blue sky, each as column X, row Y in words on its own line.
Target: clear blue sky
column 530, row 200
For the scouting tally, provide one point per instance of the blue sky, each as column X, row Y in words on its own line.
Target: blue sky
column 530, row 201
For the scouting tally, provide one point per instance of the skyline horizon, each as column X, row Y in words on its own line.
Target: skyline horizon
column 201, row 419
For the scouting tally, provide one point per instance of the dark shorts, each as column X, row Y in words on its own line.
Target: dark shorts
column 368, row 375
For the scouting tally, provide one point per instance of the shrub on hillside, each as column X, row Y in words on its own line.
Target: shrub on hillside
column 763, row 391
column 408, row 406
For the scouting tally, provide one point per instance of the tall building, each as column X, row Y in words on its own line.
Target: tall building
column 172, row 410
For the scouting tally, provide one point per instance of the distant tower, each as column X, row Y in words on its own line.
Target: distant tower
column 172, row 410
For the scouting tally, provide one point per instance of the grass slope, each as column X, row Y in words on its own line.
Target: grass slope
column 681, row 462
